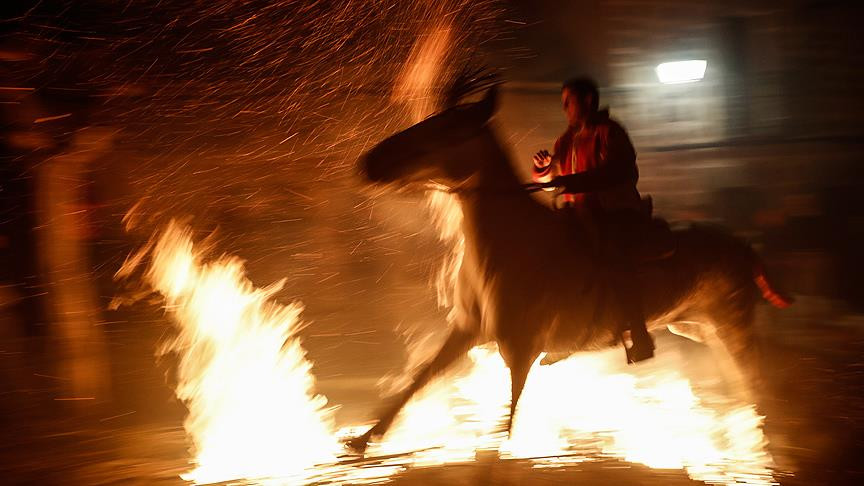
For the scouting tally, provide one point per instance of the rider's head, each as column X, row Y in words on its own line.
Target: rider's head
column 580, row 99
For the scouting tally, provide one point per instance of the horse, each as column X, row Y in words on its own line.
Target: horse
column 528, row 282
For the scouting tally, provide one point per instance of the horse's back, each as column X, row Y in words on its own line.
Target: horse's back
column 710, row 264
column 708, row 247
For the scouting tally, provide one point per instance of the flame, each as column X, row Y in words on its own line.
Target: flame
column 580, row 409
column 242, row 372
column 253, row 412
column 416, row 84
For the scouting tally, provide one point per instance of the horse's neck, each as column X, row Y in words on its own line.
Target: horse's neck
column 498, row 213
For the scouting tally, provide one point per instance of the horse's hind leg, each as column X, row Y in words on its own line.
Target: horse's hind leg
column 455, row 346
column 694, row 331
column 734, row 343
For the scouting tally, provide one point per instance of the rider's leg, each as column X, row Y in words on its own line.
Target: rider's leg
column 621, row 230
column 634, row 320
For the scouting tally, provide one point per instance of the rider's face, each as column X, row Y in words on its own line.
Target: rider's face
column 574, row 107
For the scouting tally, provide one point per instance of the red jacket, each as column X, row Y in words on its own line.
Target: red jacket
column 597, row 166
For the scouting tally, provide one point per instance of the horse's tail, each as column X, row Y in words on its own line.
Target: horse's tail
column 776, row 299
column 716, row 245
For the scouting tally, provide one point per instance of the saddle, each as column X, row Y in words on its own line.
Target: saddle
column 658, row 241
column 643, row 237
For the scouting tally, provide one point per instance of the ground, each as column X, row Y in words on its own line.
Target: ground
column 815, row 419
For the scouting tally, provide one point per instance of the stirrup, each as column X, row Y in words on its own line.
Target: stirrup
column 641, row 350
column 638, row 353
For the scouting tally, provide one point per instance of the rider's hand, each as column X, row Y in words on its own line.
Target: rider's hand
column 542, row 158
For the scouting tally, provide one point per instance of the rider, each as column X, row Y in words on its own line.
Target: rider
column 595, row 165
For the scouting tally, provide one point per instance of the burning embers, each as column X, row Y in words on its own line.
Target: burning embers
column 253, row 411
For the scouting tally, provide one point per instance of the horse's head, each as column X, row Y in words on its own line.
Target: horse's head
column 442, row 149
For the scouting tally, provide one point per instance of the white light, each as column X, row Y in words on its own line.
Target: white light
column 681, row 71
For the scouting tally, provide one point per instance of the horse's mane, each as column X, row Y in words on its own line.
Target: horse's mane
column 468, row 81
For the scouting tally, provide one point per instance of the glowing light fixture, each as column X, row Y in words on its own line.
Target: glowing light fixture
column 681, row 71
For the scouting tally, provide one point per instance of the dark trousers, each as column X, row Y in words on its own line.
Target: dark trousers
column 620, row 233
column 613, row 237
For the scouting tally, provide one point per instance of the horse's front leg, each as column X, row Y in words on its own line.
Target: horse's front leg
column 519, row 362
column 455, row 346
column 518, row 345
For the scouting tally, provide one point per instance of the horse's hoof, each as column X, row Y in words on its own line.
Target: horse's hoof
column 638, row 353
column 552, row 358
column 487, row 455
column 357, row 445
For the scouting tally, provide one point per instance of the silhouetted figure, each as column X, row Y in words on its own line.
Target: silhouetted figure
column 594, row 164
column 547, row 300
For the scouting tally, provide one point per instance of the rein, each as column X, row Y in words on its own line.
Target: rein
column 529, row 188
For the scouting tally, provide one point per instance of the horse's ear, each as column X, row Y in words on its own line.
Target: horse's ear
column 489, row 103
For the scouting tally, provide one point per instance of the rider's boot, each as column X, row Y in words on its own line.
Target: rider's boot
column 622, row 231
column 643, row 344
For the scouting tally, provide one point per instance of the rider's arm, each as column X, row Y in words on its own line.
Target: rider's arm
column 619, row 166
